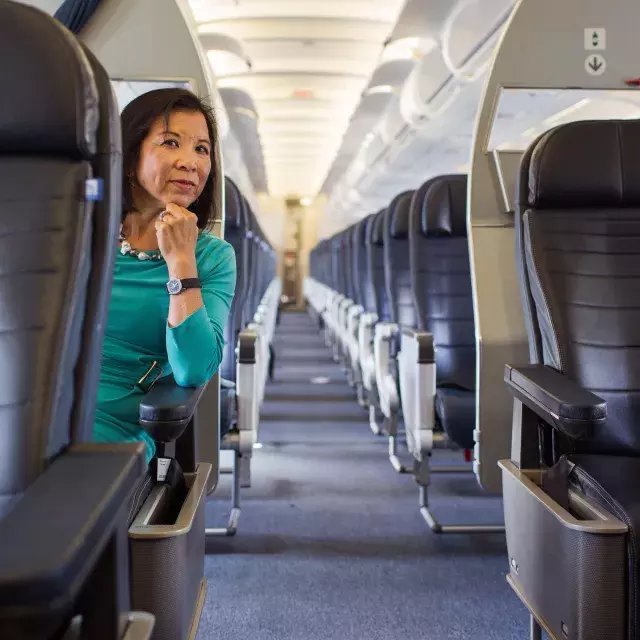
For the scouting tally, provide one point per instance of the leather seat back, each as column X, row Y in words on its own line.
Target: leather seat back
column 57, row 245
column 375, row 250
column 365, row 267
column 252, row 257
column 441, row 276
column 578, row 222
column 235, row 235
column 336, row 265
column 347, row 261
column 397, row 263
column 358, row 255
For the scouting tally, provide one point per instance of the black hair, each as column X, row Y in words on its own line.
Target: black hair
column 137, row 119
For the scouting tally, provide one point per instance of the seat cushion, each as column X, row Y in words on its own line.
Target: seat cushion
column 612, row 482
column 228, row 412
column 456, row 409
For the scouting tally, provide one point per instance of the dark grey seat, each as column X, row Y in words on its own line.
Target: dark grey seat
column 375, row 266
column 441, row 286
column 577, row 408
column 59, row 206
column 397, row 263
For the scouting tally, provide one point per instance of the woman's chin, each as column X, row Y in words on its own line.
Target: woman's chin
column 181, row 199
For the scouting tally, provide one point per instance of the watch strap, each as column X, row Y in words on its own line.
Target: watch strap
column 191, row 283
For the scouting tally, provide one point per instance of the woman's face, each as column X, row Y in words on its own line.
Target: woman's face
column 175, row 161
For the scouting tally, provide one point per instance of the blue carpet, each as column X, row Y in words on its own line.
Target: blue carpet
column 331, row 544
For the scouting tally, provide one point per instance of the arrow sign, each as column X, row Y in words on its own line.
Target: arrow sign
column 594, row 39
column 595, row 65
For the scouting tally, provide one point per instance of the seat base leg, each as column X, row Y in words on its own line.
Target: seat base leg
column 361, row 396
column 393, row 456
column 391, row 425
column 436, row 527
column 373, row 423
column 232, row 525
column 535, row 630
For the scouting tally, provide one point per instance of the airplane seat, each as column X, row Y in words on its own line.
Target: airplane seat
column 344, row 257
column 375, row 266
column 239, row 385
column 248, row 311
column 55, row 251
column 397, row 293
column 357, row 267
column 370, row 262
column 576, row 411
column 441, row 285
column 336, row 295
column 235, row 235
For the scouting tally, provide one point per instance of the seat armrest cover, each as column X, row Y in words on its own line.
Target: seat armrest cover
column 561, row 402
column 167, row 409
column 52, row 538
column 426, row 351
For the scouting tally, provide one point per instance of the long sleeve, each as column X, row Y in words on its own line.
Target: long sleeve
column 195, row 347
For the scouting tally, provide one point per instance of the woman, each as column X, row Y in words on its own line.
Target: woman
column 174, row 281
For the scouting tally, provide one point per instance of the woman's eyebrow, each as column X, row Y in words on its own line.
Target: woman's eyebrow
column 177, row 135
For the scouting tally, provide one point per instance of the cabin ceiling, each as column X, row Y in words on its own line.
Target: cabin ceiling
column 318, row 74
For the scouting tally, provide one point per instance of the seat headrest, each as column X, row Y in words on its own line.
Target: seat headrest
column 50, row 103
column 441, row 204
column 232, row 205
column 370, row 226
column 586, row 164
column 399, row 215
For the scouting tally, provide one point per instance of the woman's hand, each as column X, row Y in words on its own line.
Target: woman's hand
column 177, row 233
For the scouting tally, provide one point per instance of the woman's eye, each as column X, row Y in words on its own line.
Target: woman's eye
column 202, row 149
column 170, row 142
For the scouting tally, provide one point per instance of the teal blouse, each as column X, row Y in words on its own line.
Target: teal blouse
column 137, row 334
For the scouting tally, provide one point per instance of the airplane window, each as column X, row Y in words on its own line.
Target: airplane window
column 127, row 90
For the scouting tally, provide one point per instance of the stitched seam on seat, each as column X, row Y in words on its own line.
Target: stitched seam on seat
column 136, row 497
column 619, row 512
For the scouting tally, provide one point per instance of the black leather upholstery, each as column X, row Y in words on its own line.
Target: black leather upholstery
column 346, row 249
column 580, row 266
column 397, row 263
column 359, row 262
column 441, row 285
column 375, row 265
column 58, row 233
column 235, row 233
column 578, row 245
column 59, row 116
column 107, row 164
column 46, row 132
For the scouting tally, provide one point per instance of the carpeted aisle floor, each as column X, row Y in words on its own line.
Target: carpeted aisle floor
column 331, row 544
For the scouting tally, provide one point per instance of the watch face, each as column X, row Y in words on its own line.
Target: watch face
column 174, row 286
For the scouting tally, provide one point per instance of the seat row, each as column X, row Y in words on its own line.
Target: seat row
column 394, row 293
column 571, row 500
column 83, row 538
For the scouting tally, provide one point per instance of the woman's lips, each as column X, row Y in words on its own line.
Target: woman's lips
column 184, row 185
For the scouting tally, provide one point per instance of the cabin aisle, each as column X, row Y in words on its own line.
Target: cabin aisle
column 331, row 545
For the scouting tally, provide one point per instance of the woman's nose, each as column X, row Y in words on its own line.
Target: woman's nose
column 188, row 161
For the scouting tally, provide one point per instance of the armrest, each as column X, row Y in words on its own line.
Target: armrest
column 246, row 348
column 424, row 341
column 167, row 409
column 559, row 401
column 51, row 540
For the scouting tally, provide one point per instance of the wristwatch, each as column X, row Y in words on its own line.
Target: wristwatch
column 176, row 286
